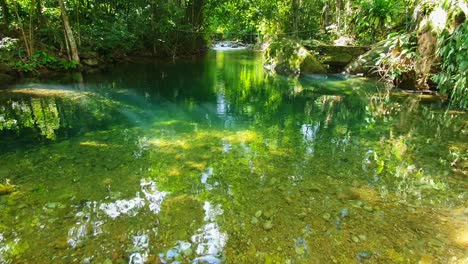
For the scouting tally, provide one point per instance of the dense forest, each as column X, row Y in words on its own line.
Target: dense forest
column 420, row 44
column 233, row 131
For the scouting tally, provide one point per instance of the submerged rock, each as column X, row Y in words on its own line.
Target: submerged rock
column 258, row 214
column 291, row 58
column 326, row 216
column 355, row 239
column 254, row 220
column 364, row 255
column 268, row 225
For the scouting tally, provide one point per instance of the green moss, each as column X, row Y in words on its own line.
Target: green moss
column 290, row 58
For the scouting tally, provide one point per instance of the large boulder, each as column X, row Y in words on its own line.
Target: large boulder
column 291, row 58
column 336, row 57
column 365, row 63
column 90, row 59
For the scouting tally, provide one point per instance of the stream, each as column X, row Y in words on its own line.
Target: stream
column 215, row 160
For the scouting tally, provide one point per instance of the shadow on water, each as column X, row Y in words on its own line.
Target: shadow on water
column 214, row 160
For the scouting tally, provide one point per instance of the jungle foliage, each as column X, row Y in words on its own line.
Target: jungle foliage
column 51, row 33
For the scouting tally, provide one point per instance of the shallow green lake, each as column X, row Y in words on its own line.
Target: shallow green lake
column 213, row 160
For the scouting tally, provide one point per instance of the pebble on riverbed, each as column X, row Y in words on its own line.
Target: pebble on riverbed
column 268, row 225
column 258, row 214
column 254, row 220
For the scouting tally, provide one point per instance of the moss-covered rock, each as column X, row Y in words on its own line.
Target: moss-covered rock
column 335, row 56
column 365, row 63
column 290, row 58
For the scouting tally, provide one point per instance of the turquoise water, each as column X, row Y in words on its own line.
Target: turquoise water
column 214, row 160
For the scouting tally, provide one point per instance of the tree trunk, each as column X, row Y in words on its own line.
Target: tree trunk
column 23, row 33
column 154, row 10
column 31, row 32
column 40, row 18
column 68, row 33
column 294, row 11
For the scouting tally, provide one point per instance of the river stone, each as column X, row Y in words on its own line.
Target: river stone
column 364, row 255
column 268, row 225
column 90, row 62
column 300, row 250
column 355, row 239
column 314, row 188
column 258, row 214
column 254, row 220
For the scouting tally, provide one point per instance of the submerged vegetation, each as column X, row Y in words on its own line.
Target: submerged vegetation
column 241, row 166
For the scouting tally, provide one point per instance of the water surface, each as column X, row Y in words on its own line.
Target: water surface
column 213, row 160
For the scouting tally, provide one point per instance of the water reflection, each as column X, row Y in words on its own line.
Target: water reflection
column 34, row 115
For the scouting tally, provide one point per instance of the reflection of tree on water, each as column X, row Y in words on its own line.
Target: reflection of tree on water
column 43, row 115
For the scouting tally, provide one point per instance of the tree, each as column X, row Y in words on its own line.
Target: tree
column 5, row 14
column 69, row 39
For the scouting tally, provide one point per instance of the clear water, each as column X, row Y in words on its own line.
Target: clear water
column 213, row 160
